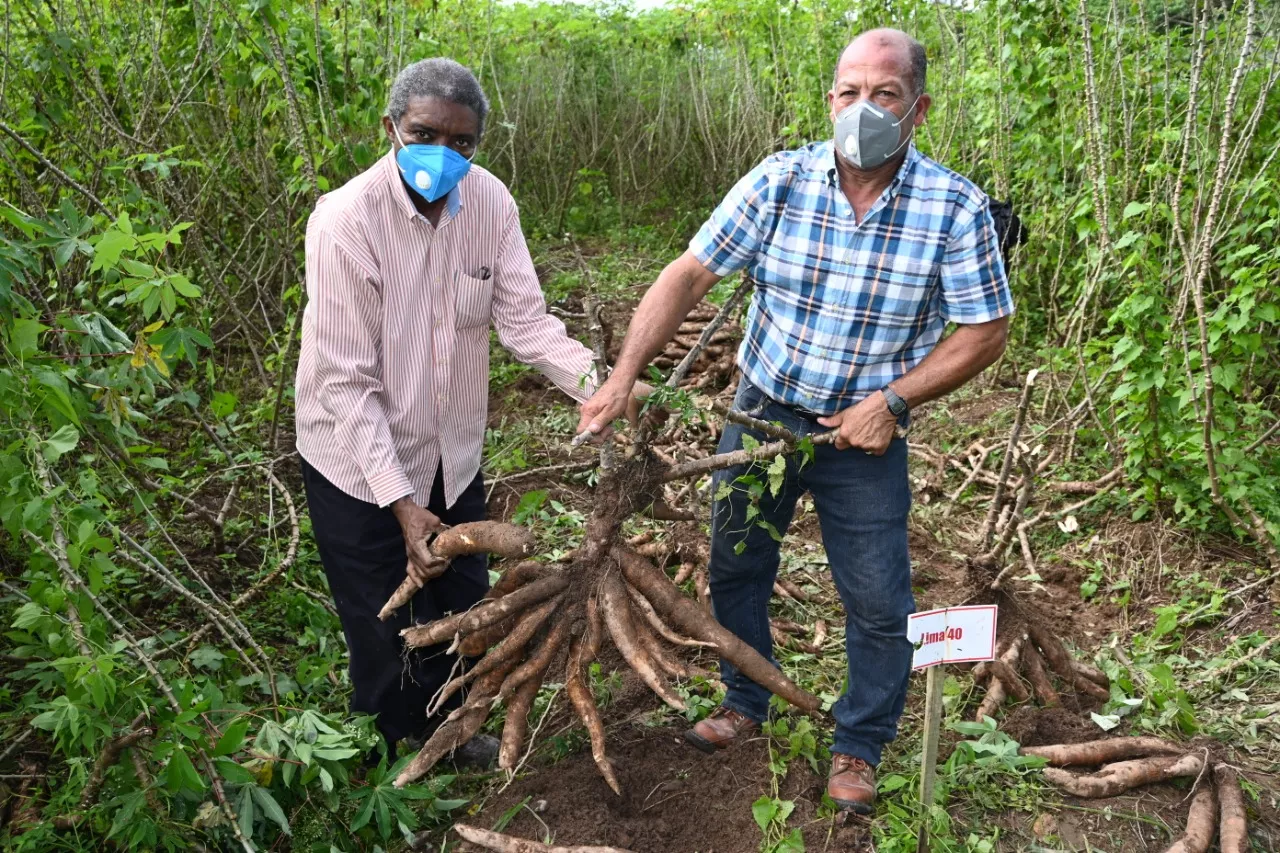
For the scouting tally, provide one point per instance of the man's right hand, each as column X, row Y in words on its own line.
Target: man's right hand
column 609, row 403
column 417, row 523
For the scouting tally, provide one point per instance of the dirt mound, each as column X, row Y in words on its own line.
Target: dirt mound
column 675, row 799
column 1032, row 726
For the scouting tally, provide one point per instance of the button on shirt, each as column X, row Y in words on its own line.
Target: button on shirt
column 393, row 376
column 842, row 308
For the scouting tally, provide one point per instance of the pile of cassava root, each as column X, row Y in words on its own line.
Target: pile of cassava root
column 712, row 364
column 1129, row 762
column 1027, row 653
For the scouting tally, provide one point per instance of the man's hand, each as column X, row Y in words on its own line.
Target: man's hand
column 611, row 401
column 417, row 523
column 867, row 424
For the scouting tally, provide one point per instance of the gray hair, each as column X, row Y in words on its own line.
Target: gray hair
column 917, row 59
column 439, row 78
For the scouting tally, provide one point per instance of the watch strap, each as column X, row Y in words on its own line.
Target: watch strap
column 897, row 405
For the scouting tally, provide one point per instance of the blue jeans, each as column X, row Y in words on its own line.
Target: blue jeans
column 862, row 503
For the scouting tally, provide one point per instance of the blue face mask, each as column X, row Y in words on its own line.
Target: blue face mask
column 432, row 170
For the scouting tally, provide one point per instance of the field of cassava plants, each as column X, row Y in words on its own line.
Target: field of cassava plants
column 174, row 672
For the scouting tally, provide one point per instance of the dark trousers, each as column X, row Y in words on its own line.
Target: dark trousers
column 862, row 503
column 363, row 553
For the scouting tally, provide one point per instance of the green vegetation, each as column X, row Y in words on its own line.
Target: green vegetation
column 159, row 163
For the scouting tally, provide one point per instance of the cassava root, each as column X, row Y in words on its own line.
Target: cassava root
column 1202, row 821
column 1119, row 777
column 473, row 537
column 500, row 843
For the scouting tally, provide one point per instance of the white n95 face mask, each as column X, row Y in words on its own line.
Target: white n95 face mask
column 867, row 134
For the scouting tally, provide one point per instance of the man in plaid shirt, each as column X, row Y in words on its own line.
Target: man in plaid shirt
column 862, row 250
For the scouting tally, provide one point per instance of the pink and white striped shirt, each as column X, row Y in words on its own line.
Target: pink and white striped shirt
column 393, row 377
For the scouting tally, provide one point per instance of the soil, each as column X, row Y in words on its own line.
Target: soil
column 1034, row 726
column 675, row 798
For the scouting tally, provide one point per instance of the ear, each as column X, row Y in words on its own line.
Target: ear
column 922, row 109
column 831, row 104
column 389, row 130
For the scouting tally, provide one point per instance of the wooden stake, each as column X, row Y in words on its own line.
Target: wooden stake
column 929, row 752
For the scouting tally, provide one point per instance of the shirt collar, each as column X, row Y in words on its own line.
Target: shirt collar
column 400, row 192
column 828, row 160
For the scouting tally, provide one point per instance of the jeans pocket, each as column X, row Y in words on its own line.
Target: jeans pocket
column 749, row 399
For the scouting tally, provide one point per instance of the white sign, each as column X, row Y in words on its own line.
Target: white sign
column 953, row 635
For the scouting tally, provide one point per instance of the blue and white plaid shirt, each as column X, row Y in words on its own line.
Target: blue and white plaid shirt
column 842, row 308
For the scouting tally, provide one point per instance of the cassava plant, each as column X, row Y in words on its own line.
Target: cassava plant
column 545, row 621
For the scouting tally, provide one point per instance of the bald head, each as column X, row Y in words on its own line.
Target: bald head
column 884, row 48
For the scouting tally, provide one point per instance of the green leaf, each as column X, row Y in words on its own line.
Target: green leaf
column 362, row 817
column 763, row 810
column 384, row 816
column 59, row 396
column 60, row 443
column 1136, row 208
column 271, row 808
column 168, row 300
column 180, row 775
column 184, row 286
column 334, row 753
column 1166, row 621
column 794, row 842
column 777, row 472
column 27, row 616
column 232, row 772
column 151, row 303
column 244, row 806
column 232, row 738
column 892, row 783
column 107, row 251
column 24, row 337
column 223, row 403
column 526, row 511
column 129, row 805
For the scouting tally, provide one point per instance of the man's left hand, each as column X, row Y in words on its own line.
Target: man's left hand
column 867, row 425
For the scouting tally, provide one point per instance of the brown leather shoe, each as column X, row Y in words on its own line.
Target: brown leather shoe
column 721, row 729
column 852, row 784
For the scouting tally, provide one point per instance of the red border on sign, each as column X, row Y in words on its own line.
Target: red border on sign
column 992, row 607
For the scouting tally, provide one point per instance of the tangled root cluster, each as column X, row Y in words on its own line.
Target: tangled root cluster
column 545, row 622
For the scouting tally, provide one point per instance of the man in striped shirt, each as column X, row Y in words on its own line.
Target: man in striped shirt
column 862, row 250
column 407, row 266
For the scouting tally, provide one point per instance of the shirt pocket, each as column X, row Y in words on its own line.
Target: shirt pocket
column 473, row 301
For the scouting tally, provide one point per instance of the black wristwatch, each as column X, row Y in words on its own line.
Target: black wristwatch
column 897, row 405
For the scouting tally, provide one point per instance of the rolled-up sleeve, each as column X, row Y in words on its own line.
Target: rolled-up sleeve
column 346, row 305
column 975, row 288
column 525, row 328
